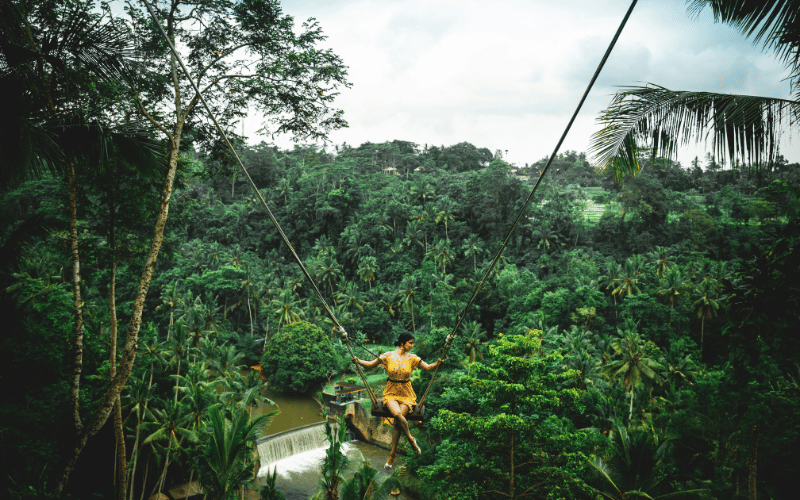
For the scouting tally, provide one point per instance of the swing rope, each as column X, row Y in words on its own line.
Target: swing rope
column 460, row 317
column 462, row 314
column 286, row 241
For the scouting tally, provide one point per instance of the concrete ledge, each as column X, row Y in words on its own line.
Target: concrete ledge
column 367, row 428
column 264, row 439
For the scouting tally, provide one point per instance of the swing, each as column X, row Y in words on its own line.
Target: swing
column 378, row 409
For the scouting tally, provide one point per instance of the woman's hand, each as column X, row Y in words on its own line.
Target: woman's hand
column 355, row 360
column 439, row 362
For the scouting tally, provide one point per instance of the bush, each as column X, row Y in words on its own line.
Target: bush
column 299, row 356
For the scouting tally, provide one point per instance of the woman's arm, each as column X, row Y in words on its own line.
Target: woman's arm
column 366, row 364
column 425, row 366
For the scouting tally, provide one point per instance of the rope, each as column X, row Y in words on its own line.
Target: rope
column 463, row 313
column 286, row 241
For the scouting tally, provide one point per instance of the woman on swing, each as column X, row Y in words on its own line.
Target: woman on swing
column 399, row 397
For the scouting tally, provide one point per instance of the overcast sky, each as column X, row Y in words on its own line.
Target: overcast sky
column 508, row 74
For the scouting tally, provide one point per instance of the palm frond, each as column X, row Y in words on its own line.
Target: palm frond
column 602, row 468
column 740, row 126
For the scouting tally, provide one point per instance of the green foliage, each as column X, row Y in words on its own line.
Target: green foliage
column 527, row 447
column 225, row 461
column 299, row 356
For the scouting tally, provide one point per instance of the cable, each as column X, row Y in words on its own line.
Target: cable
column 258, row 194
column 463, row 313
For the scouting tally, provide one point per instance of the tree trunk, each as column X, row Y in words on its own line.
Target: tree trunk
column 119, row 433
column 511, row 470
column 135, row 453
column 751, row 479
column 132, row 335
column 702, row 332
column 77, row 366
column 630, row 415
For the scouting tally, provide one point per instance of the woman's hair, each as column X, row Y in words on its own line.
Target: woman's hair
column 404, row 337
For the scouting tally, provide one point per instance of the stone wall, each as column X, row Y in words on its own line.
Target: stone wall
column 367, row 428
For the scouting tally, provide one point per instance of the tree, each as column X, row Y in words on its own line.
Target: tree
column 634, row 367
column 513, row 408
column 472, row 248
column 367, row 267
column 171, row 426
column 292, row 82
column 707, row 304
column 739, row 126
column 226, row 461
column 286, row 308
column 298, row 356
column 335, row 462
column 673, row 286
column 366, row 484
column 635, row 467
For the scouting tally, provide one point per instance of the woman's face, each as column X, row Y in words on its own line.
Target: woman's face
column 408, row 345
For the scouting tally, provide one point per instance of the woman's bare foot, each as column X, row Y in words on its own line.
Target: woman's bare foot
column 414, row 446
column 389, row 463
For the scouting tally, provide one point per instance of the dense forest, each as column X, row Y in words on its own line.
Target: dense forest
column 638, row 336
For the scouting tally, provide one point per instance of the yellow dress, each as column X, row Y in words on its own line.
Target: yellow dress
column 398, row 387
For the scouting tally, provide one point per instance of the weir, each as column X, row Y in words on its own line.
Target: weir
column 287, row 443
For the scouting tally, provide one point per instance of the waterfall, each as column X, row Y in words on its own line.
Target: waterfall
column 285, row 444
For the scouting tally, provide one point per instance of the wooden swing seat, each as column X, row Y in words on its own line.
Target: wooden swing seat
column 416, row 414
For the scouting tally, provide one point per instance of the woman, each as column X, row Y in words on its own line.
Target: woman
column 399, row 397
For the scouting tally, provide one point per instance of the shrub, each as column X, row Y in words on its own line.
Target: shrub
column 299, row 356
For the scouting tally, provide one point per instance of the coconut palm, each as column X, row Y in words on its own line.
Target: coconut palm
column 634, row 467
column 172, row 425
column 472, row 248
column 444, row 213
column 286, row 309
column 661, row 259
column 367, row 484
column 633, row 367
column 367, row 267
column 335, row 462
column 170, row 301
column 740, row 126
column 472, row 347
column 673, row 286
column 706, row 304
column 408, row 289
column 137, row 395
column 226, row 459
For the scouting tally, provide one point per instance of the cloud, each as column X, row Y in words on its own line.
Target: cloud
column 508, row 74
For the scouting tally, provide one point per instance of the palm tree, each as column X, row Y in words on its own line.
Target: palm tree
column 659, row 255
column 740, row 126
column 673, row 286
column 442, row 254
column 171, row 426
column 707, row 304
column 634, row 467
column 472, row 348
column 335, row 462
column 472, row 248
column 328, row 271
column 408, row 288
column 367, row 267
column 170, row 300
column 226, row 461
column 633, row 367
column 628, row 281
column 444, row 213
column 138, row 395
column 286, row 309
column 367, row 484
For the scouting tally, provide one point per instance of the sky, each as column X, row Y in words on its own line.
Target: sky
column 507, row 75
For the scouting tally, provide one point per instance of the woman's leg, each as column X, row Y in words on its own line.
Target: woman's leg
column 396, row 432
column 399, row 412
